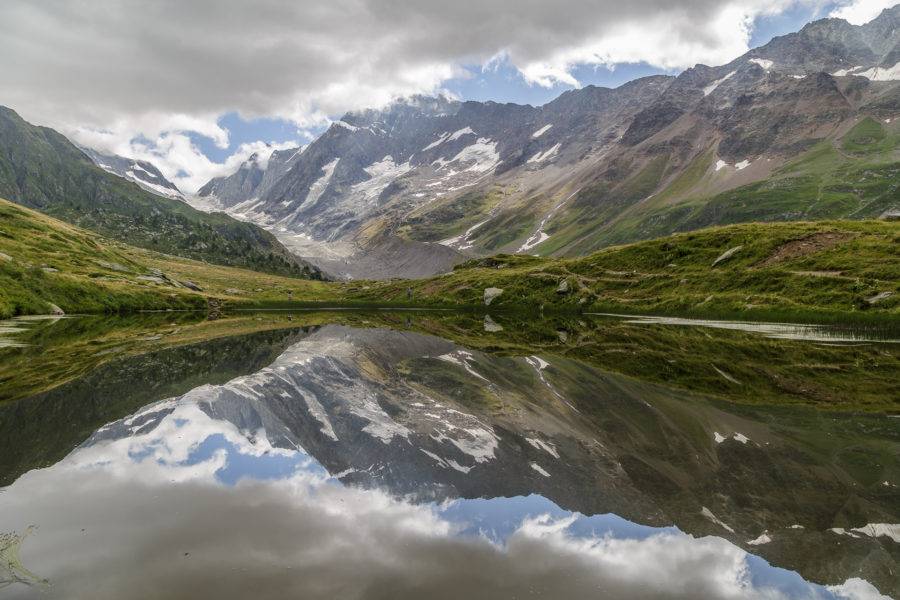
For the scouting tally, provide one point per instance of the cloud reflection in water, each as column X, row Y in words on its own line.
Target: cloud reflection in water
column 189, row 506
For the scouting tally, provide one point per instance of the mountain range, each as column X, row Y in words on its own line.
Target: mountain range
column 802, row 128
column 42, row 170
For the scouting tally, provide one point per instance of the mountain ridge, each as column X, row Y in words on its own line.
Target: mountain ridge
column 595, row 166
column 141, row 172
column 41, row 169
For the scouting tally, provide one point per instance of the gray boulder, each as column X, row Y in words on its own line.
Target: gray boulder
column 491, row 293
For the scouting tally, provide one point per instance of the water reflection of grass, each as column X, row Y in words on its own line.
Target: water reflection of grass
column 59, row 351
column 11, row 569
column 734, row 365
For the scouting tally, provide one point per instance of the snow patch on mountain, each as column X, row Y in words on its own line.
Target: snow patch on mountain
column 540, row 235
column 461, row 358
column 542, row 156
column 345, row 125
column 709, row 515
column 160, row 190
column 478, row 442
column 882, row 73
column 539, row 469
column 873, row 530
column 382, row 174
column 542, row 445
column 381, row 425
column 763, row 62
column 482, row 156
column 845, row 72
column 762, row 539
column 318, row 187
column 461, row 242
column 541, row 131
column 437, row 142
column 711, row 87
column 458, row 134
column 138, row 167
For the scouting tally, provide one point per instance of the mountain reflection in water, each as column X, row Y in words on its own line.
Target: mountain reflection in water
column 375, row 463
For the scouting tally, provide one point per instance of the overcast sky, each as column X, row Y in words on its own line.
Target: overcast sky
column 196, row 85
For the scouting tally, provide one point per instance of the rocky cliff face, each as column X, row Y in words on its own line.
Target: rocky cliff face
column 254, row 178
column 595, row 166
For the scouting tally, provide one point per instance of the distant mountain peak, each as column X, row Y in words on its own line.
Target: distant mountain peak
column 141, row 172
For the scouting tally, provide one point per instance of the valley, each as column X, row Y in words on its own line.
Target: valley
column 639, row 340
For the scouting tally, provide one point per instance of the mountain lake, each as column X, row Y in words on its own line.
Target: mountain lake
column 439, row 454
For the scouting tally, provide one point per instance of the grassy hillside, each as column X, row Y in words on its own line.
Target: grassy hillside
column 837, row 267
column 41, row 169
column 43, row 260
column 846, row 269
column 845, row 175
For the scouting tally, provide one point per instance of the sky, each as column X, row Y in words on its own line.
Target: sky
column 196, row 86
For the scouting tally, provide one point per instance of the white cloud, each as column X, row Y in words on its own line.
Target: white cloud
column 172, row 151
column 110, row 70
column 155, row 527
column 856, row 589
column 858, row 12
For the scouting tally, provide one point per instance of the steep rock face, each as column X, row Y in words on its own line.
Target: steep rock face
column 141, row 172
column 595, row 166
column 253, row 179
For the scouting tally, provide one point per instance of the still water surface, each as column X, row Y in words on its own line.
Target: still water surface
column 329, row 461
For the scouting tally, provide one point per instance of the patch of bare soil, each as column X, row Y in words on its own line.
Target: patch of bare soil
column 817, row 242
column 804, row 389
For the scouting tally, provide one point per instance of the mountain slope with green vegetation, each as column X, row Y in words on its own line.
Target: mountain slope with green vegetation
column 44, row 260
column 846, row 268
column 817, row 148
column 41, row 169
column 829, row 269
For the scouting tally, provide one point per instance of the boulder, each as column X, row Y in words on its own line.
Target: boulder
column 55, row 310
column 491, row 293
column 879, row 297
column 727, row 254
column 490, row 326
column 563, row 287
column 191, row 285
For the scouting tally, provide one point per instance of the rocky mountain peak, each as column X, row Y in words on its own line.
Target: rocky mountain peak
column 402, row 109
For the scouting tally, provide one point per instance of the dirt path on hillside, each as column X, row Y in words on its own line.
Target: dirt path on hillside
column 817, row 242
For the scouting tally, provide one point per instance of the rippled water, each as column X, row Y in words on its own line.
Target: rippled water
column 339, row 462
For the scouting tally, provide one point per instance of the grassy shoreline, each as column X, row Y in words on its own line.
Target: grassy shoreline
column 830, row 271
